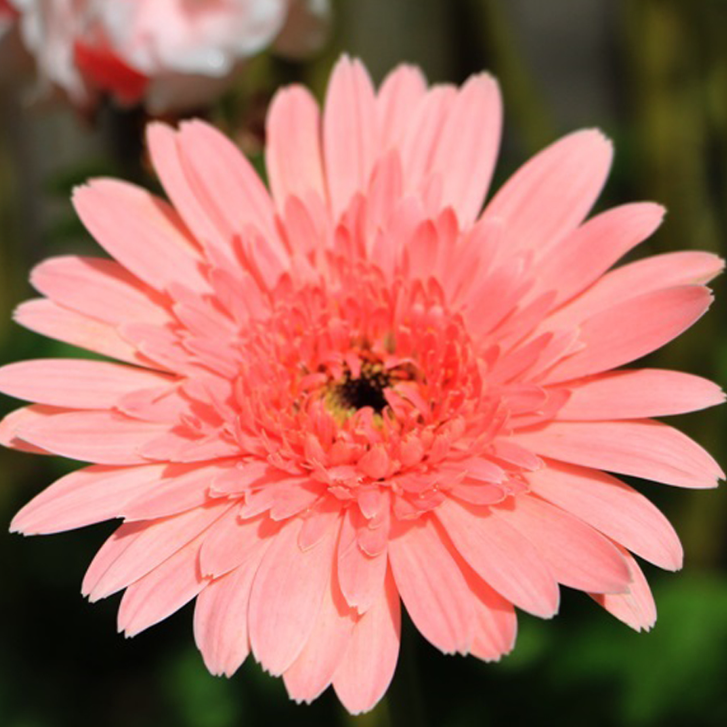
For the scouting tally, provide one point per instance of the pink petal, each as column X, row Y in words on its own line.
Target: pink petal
column 85, row 497
column 293, row 149
column 631, row 329
column 98, row 288
column 24, row 417
column 138, row 548
column 103, row 437
column 400, row 92
column 286, row 597
column 577, row 555
column 313, row 670
column 75, row 383
column 635, row 394
column 161, row 592
column 645, row 449
column 467, row 147
column 349, row 132
column 584, row 255
column 170, row 165
column 368, row 665
column 49, row 319
column 220, row 617
column 652, row 274
column 182, row 487
column 502, row 557
column 635, row 608
column 141, row 231
column 361, row 576
column 551, row 194
column 230, row 190
column 432, row 586
column 612, row 507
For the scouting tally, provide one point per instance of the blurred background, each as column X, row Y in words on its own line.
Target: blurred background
column 653, row 75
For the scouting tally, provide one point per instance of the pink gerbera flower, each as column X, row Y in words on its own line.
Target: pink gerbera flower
column 358, row 390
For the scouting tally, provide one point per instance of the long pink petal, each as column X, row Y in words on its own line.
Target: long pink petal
column 641, row 448
column 361, row 576
column 231, row 191
column 468, row 145
column 638, row 278
column 636, row 394
column 98, row 288
column 368, row 665
column 617, row 510
column 400, row 92
column 85, row 497
column 24, row 417
column 220, row 617
column 577, row 555
column 313, row 670
column 54, row 321
column 293, row 149
column 75, row 383
column 286, row 597
column 102, row 437
column 161, row 592
column 631, row 329
column 432, row 586
column 169, row 164
column 584, row 255
column 635, row 608
column 142, row 547
column 552, row 193
column 141, row 231
column 502, row 557
column 349, row 132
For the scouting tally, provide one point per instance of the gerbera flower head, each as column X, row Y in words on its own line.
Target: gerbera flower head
column 358, row 389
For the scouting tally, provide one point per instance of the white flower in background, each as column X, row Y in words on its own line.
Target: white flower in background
column 168, row 54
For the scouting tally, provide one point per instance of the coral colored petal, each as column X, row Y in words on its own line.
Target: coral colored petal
column 552, row 193
column 399, row 93
column 641, row 448
column 231, row 192
column 293, row 151
column 85, row 497
column 54, row 321
column 502, row 557
column 286, row 597
column 368, row 665
column 220, row 617
column 98, row 288
column 313, row 670
column 584, row 255
column 432, row 586
column 635, row 608
column 631, row 329
column 169, row 164
column 161, row 592
column 75, row 383
column 138, row 548
column 349, row 132
column 361, row 576
column 636, row 394
column 577, row 555
column 638, row 278
column 617, row 510
column 103, row 437
column 141, row 231
column 182, row 487
column 24, row 417
column 467, row 147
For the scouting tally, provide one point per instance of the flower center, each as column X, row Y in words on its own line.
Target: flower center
column 367, row 389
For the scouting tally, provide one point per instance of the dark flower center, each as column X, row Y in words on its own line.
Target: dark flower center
column 366, row 390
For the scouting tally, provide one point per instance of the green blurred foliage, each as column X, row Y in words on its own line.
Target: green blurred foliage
column 61, row 662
